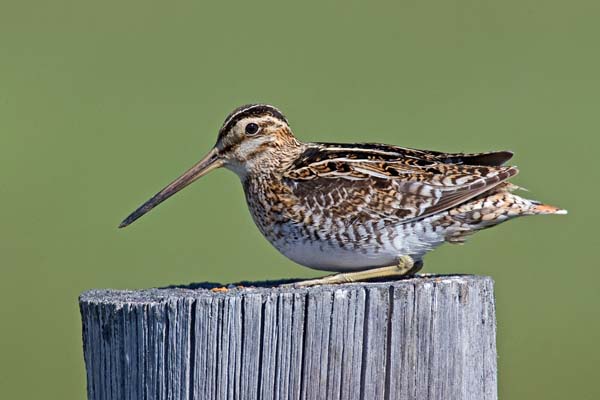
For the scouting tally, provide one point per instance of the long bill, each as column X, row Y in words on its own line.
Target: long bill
column 208, row 163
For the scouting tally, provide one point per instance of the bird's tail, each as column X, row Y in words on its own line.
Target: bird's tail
column 503, row 197
column 493, row 208
column 546, row 209
column 531, row 207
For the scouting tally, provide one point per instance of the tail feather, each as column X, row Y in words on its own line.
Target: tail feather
column 493, row 208
column 547, row 209
column 503, row 192
column 498, row 206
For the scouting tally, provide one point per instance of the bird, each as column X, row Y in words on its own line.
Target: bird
column 359, row 210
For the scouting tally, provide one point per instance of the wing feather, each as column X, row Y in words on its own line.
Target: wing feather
column 386, row 184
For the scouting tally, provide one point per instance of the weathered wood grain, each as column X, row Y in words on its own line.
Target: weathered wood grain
column 420, row 338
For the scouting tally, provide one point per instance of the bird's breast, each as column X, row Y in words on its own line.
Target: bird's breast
column 319, row 238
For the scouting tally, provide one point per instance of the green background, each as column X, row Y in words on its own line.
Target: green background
column 103, row 103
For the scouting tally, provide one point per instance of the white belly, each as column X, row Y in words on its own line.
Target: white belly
column 361, row 253
column 323, row 256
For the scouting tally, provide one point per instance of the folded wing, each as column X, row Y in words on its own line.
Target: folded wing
column 392, row 183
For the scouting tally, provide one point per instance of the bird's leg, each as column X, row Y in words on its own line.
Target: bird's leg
column 406, row 265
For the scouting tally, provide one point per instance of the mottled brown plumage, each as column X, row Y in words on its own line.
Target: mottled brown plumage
column 352, row 207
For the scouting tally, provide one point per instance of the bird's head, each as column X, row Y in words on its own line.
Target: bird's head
column 253, row 139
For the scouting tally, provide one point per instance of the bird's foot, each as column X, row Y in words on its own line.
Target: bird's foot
column 406, row 266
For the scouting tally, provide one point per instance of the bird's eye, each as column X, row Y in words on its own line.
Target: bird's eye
column 252, row 128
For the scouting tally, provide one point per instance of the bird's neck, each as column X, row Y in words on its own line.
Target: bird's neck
column 272, row 162
column 276, row 160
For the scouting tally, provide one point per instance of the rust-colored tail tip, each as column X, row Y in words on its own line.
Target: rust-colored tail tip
column 548, row 209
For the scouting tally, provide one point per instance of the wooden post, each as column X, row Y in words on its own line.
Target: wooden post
column 430, row 337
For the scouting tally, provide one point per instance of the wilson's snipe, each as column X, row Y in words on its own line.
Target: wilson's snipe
column 366, row 210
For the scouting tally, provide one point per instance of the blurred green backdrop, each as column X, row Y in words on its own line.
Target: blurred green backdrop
column 102, row 103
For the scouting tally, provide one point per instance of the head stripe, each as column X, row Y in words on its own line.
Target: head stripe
column 250, row 110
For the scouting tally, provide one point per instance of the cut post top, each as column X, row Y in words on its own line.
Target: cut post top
column 212, row 289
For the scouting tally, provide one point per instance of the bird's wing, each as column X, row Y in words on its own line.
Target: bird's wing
column 386, row 152
column 389, row 182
